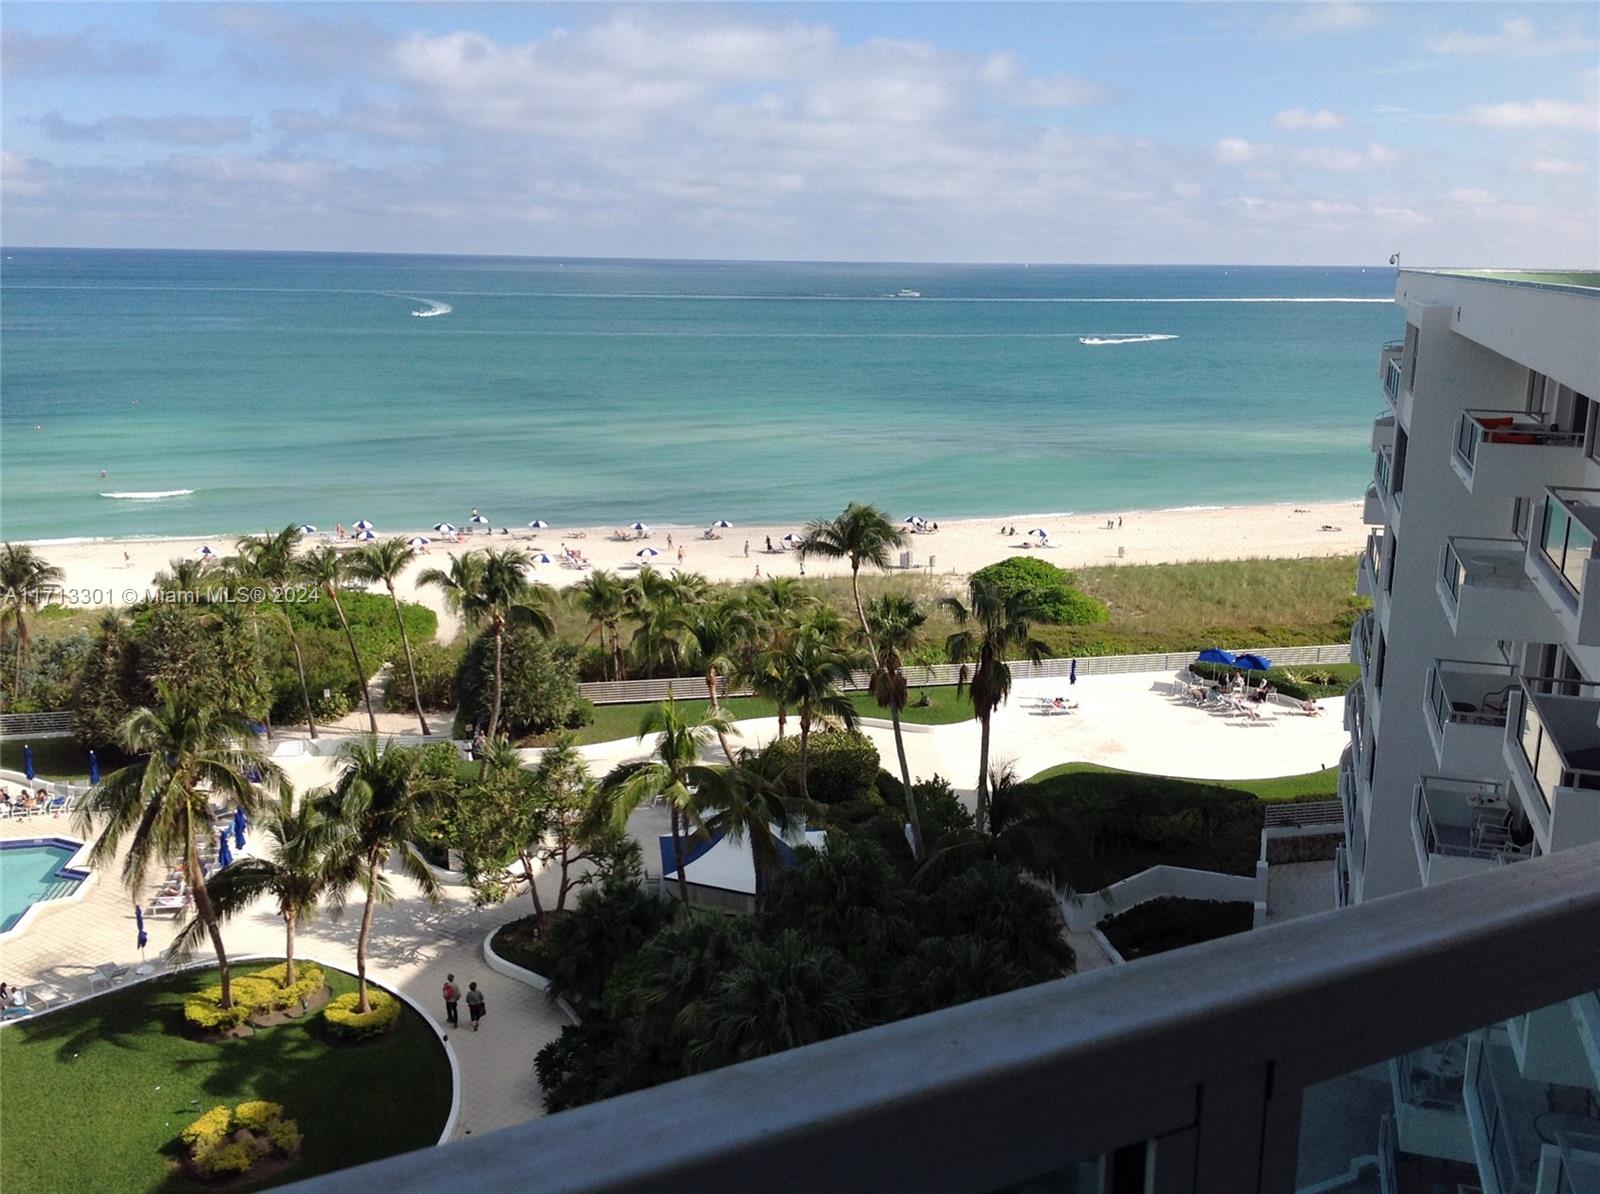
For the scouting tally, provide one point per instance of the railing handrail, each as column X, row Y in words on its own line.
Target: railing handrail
column 1208, row 1044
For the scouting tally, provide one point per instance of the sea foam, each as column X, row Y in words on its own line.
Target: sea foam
column 147, row 495
column 1140, row 339
column 434, row 308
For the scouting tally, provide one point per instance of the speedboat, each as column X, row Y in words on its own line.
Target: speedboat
column 908, row 294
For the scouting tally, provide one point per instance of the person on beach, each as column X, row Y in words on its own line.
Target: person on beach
column 452, row 999
column 769, row 544
column 680, row 554
column 474, row 1004
column 669, row 540
column 747, row 549
column 758, row 571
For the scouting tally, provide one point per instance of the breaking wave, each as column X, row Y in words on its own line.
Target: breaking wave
column 433, row 308
column 147, row 495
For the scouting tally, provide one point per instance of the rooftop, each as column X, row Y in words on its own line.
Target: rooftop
column 1576, row 280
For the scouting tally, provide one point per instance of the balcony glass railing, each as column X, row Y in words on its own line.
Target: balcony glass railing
column 1564, row 541
column 1556, row 729
column 1383, row 471
column 1465, row 819
column 1391, row 380
column 1482, row 563
column 1478, row 427
column 1469, row 693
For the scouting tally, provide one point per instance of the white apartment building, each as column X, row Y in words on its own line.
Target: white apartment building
column 1475, row 728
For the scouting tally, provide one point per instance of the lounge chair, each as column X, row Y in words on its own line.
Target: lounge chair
column 107, row 975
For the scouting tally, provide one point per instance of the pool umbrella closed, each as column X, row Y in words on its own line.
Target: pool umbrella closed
column 94, row 768
column 1216, row 655
column 138, row 920
column 239, row 824
column 224, row 853
column 27, row 762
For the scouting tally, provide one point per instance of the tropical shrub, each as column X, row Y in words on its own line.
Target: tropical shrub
column 226, row 1142
column 1052, row 591
column 606, row 925
column 255, row 993
column 436, row 678
column 1314, row 682
column 842, row 765
column 539, row 686
column 346, row 1023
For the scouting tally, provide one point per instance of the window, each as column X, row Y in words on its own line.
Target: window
column 1409, row 355
column 1388, row 567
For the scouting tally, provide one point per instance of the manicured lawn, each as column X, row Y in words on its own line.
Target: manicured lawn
column 53, row 758
column 1159, row 925
column 622, row 721
column 93, row 1096
column 1311, row 785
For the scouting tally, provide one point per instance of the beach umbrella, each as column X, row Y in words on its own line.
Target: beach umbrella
column 418, row 541
column 361, row 524
column 444, row 528
column 205, row 553
column 138, row 920
column 1041, row 532
column 1251, row 663
column 240, row 822
column 481, row 519
column 94, row 768
column 224, row 852
column 1216, row 655
column 27, row 762
column 539, row 558
column 792, row 539
column 721, row 524
column 538, row 524
column 306, row 528
column 367, row 535
column 640, row 527
column 647, row 553
column 912, row 519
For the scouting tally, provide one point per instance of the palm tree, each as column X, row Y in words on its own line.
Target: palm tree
column 742, row 805
column 180, row 743
column 25, row 580
column 863, row 535
column 304, row 870
column 271, row 558
column 492, row 586
column 991, row 622
column 776, row 607
column 716, row 633
column 326, row 568
column 657, row 605
column 896, row 624
column 376, row 806
column 812, row 672
column 385, row 562
column 181, row 576
column 604, row 598
column 1028, row 830
column 673, row 769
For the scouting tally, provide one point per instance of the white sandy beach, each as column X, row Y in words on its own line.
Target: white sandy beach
column 117, row 572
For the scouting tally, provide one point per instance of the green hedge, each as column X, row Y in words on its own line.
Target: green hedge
column 1052, row 591
column 841, row 765
column 346, row 1023
column 1158, row 925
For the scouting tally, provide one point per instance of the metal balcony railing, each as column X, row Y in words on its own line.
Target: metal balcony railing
column 1198, row 1057
column 1391, row 380
column 1563, row 535
column 1478, row 427
column 1469, row 693
column 1464, row 819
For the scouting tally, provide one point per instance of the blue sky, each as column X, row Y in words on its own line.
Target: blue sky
column 1254, row 133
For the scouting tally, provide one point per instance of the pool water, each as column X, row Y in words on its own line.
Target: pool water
column 32, row 871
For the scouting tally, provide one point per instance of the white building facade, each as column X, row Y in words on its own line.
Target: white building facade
column 1475, row 728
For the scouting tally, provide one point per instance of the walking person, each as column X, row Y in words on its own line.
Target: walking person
column 474, row 1004
column 452, row 998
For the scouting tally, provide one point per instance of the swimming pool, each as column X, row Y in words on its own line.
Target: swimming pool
column 32, row 871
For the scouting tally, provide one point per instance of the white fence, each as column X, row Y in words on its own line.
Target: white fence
column 620, row 692
column 1158, row 881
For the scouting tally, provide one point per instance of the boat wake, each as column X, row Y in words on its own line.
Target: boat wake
column 147, row 495
column 433, row 309
column 1143, row 339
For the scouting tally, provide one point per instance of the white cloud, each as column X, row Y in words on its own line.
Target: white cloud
column 1296, row 120
column 1515, row 38
column 1536, row 114
column 1233, row 151
column 1011, row 82
column 1473, row 196
column 1306, row 20
column 20, row 175
column 1557, row 166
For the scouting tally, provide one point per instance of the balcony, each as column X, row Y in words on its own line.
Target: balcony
column 1372, row 510
column 1519, row 1126
column 1361, row 642
column 1498, row 451
column 1560, row 560
column 1465, row 706
column 1429, row 1103
column 1383, row 432
column 1487, row 594
column 1383, row 476
column 1460, row 827
column 1369, row 566
column 1552, row 749
column 1389, row 369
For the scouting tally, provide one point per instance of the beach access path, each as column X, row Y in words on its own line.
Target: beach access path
column 119, row 571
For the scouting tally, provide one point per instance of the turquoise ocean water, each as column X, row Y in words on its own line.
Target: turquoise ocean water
column 284, row 387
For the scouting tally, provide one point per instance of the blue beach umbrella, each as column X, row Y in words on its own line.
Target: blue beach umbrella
column 27, row 761
column 647, row 553
column 538, row 524
column 722, row 524
column 366, row 536
column 481, row 519
column 1216, row 655
column 205, row 553
column 361, row 524
column 539, row 558
column 306, row 528
column 138, row 920
column 239, row 824
column 418, row 542
column 224, row 854
column 444, row 528
column 640, row 527
column 1252, row 663
column 94, row 768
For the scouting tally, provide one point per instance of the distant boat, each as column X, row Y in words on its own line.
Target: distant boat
column 908, row 294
